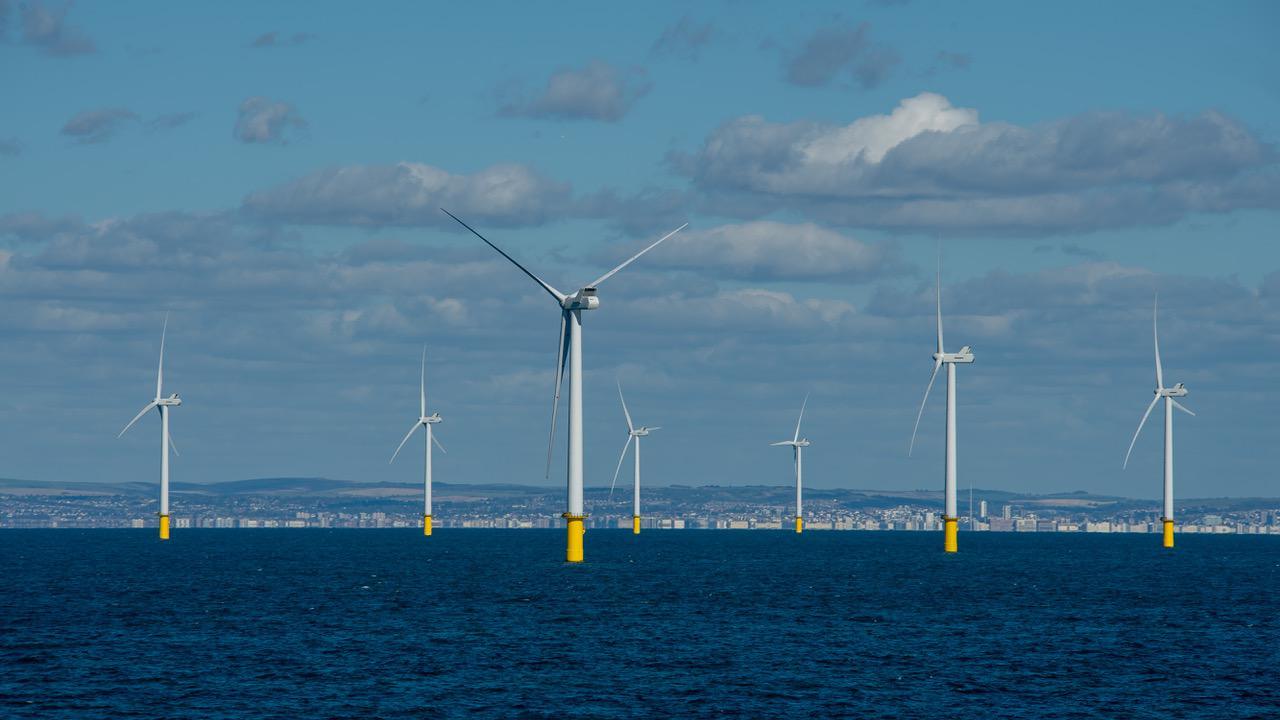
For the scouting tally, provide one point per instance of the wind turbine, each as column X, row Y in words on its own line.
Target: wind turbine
column 633, row 433
column 1170, row 403
column 426, row 421
column 570, row 352
column 940, row 358
column 798, row 445
column 162, row 404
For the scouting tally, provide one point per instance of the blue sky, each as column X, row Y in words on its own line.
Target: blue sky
column 270, row 175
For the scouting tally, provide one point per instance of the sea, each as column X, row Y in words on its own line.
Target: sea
column 680, row 624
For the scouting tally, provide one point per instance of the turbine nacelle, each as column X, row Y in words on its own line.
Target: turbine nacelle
column 431, row 419
column 584, row 299
column 171, row 401
column 804, row 442
column 964, row 356
column 1179, row 390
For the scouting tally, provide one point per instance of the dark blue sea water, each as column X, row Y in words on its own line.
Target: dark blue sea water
column 476, row 623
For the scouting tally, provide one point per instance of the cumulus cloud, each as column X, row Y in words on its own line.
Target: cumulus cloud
column 684, row 39
column 598, row 91
column 930, row 165
column 767, row 251
column 98, row 125
column 278, row 39
column 841, row 49
column 262, row 120
column 45, row 27
column 410, row 194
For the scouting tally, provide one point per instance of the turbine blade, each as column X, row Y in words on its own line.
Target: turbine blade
column 559, row 296
column 782, row 442
column 422, row 397
column 407, row 435
column 633, row 258
column 555, row 400
column 806, row 402
column 1180, row 407
column 630, row 427
column 940, row 345
column 1155, row 332
column 618, row 469
column 160, row 367
column 437, row 442
column 172, row 446
column 655, row 427
column 1142, row 422
column 138, row 417
column 936, row 366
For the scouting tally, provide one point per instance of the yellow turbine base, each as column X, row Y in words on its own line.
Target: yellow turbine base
column 635, row 524
column 1168, row 533
column 799, row 524
column 164, row 527
column 950, row 525
column 576, row 530
column 426, row 524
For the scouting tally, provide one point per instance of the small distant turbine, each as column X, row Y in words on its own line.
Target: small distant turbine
column 950, row 516
column 426, row 421
column 162, row 404
column 1170, row 403
column 633, row 433
column 570, row 354
column 798, row 445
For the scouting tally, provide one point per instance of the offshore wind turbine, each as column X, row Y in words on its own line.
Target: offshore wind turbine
column 426, row 421
column 940, row 358
column 1169, row 395
column 162, row 404
column 570, row 353
column 633, row 433
column 798, row 445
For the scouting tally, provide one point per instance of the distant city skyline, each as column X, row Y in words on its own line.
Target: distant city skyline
column 276, row 190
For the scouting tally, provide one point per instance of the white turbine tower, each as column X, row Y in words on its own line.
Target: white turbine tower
column 426, row 421
column 162, row 404
column 798, row 445
column 1170, row 403
column 633, row 433
column 570, row 353
column 942, row 357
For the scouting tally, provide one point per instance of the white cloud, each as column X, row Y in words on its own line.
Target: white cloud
column 767, row 250
column 411, row 194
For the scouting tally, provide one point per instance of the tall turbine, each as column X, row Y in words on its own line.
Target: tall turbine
column 1170, row 403
column 633, row 433
column 798, row 445
column 162, row 404
column 940, row 358
column 426, row 421
column 570, row 353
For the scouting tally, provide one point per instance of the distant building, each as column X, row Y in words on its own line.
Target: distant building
column 1007, row 512
column 982, row 509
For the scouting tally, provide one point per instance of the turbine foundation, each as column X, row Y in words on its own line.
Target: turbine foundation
column 635, row 524
column 164, row 527
column 1168, row 532
column 950, row 528
column 426, row 524
column 799, row 524
column 576, row 530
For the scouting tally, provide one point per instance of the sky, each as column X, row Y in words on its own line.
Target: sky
column 270, row 175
